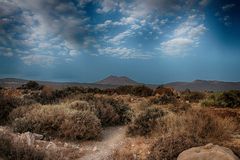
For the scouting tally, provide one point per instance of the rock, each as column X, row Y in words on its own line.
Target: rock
column 38, row 136
column 94, row 149
column 51, row 146
column 27, row 138
column 208, row 152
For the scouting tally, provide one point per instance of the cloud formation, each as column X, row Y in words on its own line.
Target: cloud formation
column 33, row 30
column 185, row 37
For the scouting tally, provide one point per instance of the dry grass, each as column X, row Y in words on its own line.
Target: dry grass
column 192, row 128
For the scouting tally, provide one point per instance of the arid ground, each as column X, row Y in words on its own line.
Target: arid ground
column 128, row 122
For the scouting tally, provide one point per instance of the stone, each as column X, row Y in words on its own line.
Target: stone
column 208, row 152
column 51, row 146
column 38, row 136
column 27, row 138
column 94, row 149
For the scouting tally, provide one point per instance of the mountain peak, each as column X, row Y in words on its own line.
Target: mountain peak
column 117, row 80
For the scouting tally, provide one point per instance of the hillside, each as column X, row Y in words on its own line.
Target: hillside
column 117, row 80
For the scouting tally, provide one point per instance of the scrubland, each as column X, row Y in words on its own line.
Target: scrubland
column 74, row 122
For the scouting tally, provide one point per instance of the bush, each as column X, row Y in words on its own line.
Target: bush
column 180, row 107
column 111, row 112
column 229, row 99
column 83, row 106
column 81, row 125
column 59, row 121
column 31, row 85
column 51, row 96
column 179, row 132
column 142, row 91
column 145, row 122
column 193, row 96
column 169, row 147
column 17, row 151
column 7, row 104
column 161, row 90
column 164, row 99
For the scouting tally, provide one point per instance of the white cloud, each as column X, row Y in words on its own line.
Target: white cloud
column 176, row 46
column 38, row 59
column 123, row 53
column 107, row 5
column 185, row 37
column 119, row 38
column 228, row 6
column 104, row 25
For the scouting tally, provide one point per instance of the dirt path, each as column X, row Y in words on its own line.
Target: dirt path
column 113, row 137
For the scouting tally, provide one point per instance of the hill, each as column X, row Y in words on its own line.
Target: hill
column 203, row 85
column 117, row 80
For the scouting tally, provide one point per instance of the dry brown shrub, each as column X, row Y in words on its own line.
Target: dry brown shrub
column 82, row 106
column 17, row 150
column 137, row 148
column 169, row 147
column 192, row 128
column 146, row 122
column 59, row 121
column 81, row 125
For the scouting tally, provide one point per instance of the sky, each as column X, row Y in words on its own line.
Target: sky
column 150, row 41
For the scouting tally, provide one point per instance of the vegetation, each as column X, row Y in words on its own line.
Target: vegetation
column 31, row 85
column 7, row 104
column 17, row 151
column 59, row 121
column 229, row 99
column 146, row 122
column 193, row 96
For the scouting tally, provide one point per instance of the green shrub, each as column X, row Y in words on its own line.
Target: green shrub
column 17, row 151
column 145, row 122
column 229, row 99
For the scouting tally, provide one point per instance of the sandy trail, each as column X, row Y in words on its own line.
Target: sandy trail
column 113, row 137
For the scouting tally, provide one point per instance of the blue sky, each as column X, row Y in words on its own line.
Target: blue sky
column 154, row 41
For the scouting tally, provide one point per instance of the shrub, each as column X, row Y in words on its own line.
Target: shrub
column 17, row 151
column 225, row 99
column 111, row 112
column 7, row 104
column 142, row 91
column 145, row 122
column 180, row 107
column 164, row 99
column 31, row 85
column 161, row 90
column 51, row 96
column 179, row 132
column 169, row 147
column 81, row 125
column 193, row 96
column 59, row 121
column 83, row 106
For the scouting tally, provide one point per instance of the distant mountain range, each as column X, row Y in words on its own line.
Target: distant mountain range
column 115, row 81
column 203, row 85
